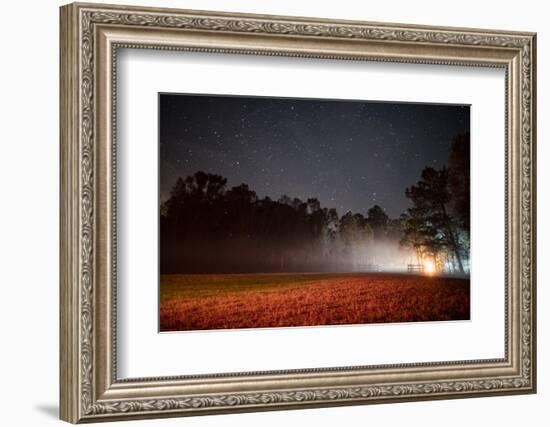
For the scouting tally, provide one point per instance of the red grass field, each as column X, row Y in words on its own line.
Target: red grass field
column 228, row 301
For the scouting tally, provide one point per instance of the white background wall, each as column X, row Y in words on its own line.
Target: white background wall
column 29, row 171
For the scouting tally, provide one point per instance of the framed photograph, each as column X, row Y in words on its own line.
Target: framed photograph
column 257, row 255
column 265, row 212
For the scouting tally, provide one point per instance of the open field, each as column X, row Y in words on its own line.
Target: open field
column 228, row 301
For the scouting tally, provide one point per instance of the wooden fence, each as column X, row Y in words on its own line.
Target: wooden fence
column 415, row 268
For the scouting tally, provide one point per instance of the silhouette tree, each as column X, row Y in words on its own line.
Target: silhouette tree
column 378, row 221
column 459, row 179
column 428, row 223
column 356, row 236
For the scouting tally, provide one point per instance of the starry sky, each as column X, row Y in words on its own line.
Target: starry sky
column 349, row 154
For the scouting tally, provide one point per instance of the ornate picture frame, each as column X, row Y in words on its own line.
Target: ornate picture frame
column 90, row 37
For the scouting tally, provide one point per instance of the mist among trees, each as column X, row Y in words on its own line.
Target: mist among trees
column 208, row 227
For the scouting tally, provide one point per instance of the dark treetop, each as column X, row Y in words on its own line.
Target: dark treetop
column 350, row 155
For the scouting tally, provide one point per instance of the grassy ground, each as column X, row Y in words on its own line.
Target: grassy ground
column 226, row 301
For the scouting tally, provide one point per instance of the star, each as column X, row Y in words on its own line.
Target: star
column 324, row 148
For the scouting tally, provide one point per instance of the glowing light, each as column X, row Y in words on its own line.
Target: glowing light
column 429, row 266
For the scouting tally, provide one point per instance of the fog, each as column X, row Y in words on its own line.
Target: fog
column 246, row 255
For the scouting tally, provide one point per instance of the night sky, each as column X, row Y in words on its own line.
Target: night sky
column 351, row 155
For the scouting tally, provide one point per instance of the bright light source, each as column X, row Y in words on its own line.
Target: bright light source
column 429, row 266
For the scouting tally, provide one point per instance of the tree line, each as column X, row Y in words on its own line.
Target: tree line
column 207, row 227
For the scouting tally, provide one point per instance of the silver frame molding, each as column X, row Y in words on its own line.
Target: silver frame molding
column 90, row 37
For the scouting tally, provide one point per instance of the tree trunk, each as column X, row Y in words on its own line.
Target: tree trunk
column 454, row 241
column 457, row 253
